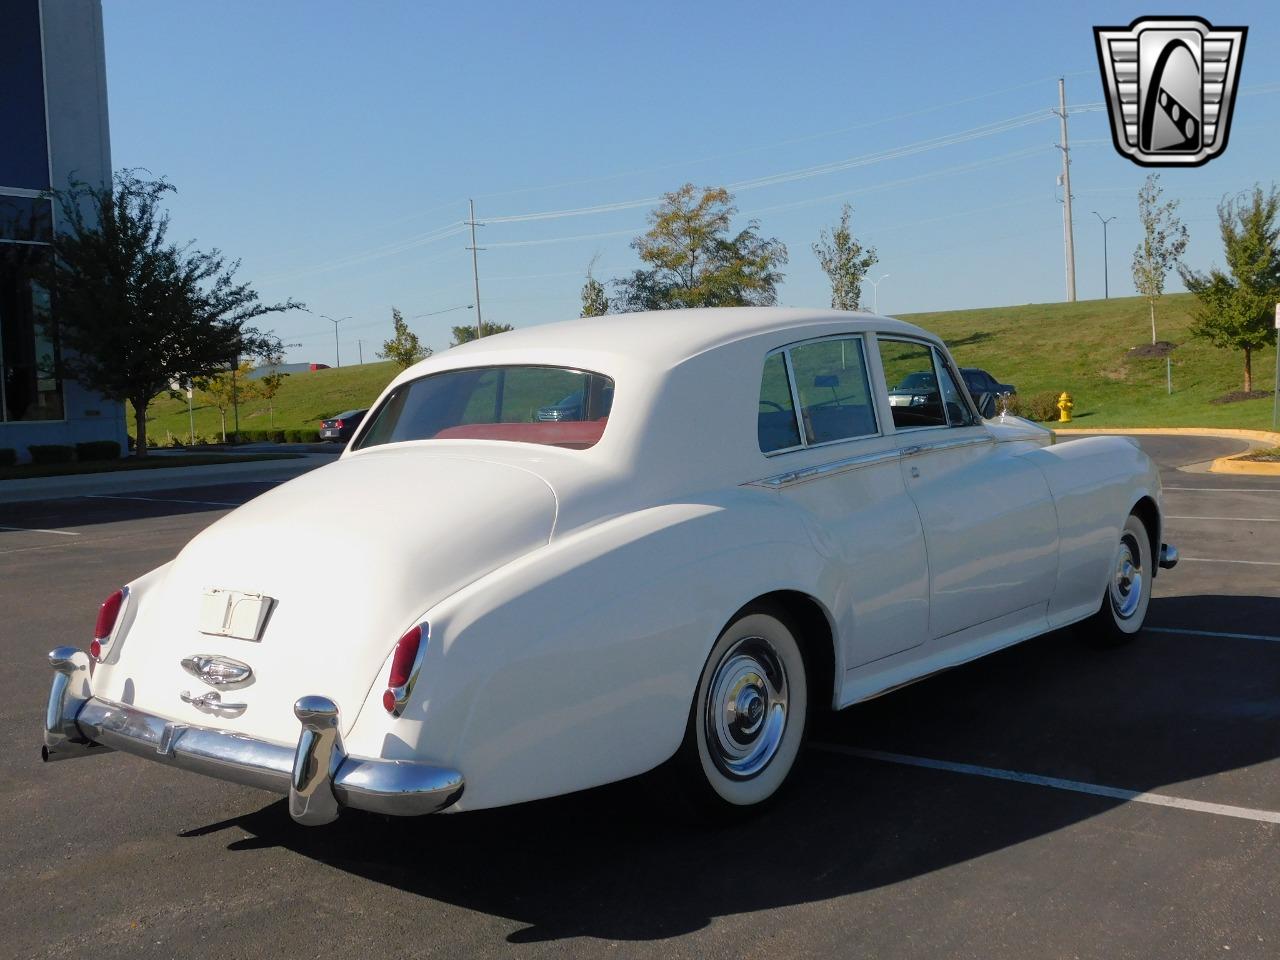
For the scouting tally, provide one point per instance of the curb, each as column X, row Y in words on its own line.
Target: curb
column 166, row 478
column 1258, row 439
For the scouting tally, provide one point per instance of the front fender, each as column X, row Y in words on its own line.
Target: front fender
column 576, row 665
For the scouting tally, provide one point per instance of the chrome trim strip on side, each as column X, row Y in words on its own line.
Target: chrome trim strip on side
column 867, row 459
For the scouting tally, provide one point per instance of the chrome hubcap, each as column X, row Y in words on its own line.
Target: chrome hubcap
column 1127, row 580
column 746, row 712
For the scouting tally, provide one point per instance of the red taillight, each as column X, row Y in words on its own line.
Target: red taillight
column 406, row 653
column 400, row 680
column 108, row 614
column 337, row 424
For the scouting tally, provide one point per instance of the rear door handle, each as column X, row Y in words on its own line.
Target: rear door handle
column 909, row 451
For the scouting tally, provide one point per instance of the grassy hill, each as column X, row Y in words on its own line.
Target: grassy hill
column 1078, row 347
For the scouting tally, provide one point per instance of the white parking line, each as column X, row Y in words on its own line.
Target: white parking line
column 201, row 503
column 60, row 533
column 1075, row 786
column 1254, row 563
column 1241, row 519
column 1213, row 633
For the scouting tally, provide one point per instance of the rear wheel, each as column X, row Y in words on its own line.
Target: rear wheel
column 1128, row 592
column 748, row 717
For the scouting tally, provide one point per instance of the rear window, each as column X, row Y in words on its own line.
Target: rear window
column 554, row 406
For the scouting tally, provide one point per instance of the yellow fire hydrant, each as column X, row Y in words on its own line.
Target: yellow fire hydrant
column 1065, row 406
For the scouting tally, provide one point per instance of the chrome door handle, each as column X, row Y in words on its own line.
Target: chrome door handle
column 910, row 451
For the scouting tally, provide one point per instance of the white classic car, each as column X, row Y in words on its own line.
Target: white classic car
column 727, row 526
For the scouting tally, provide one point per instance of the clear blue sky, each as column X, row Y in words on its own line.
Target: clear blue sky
column 331, row 145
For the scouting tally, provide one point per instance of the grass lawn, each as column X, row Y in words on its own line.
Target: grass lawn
column 153, row 462
column 1077, row 347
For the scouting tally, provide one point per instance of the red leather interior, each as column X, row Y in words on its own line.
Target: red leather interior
column 574, row 434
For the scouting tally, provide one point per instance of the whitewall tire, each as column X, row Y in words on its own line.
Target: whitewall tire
column 749, row 714
column 1127, row 595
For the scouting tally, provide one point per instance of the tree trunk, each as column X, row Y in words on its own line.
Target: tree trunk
column 1152, row 305
column 1248, row 370
column 140, row 426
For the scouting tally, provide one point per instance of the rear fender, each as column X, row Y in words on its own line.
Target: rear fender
column 576, row 665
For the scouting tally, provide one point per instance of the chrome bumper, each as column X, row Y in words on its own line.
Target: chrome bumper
column 317, row 774
column 1168, row 556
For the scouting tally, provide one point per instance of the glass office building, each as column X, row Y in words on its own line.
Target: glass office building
column 53, row 126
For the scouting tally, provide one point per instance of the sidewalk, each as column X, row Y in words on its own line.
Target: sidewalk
column 98, row 484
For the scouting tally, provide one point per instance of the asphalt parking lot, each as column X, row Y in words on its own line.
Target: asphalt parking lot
column 1054, row 800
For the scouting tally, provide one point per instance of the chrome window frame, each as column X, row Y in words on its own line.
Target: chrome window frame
column 939, row 358
column 794, row 389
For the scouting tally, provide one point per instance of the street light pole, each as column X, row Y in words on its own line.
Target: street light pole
column 475, row 268
column 875, row 286
column 1106, row 282
column 337, row 355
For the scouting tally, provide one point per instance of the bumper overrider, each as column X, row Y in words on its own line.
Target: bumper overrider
column 317, row 774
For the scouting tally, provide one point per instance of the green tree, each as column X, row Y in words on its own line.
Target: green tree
column 1164, row 238
column 692, row 259
column 466, row 334
column 1235, row 309
column 595, row 303
column 137, row 311
column 404, row 347
column 224, row 390
column 269, row 384
column 845, row 262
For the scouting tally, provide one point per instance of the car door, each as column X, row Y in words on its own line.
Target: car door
column 990, row 527
column 818, row 425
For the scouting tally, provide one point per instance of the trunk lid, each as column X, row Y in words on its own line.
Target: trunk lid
column 351, row 556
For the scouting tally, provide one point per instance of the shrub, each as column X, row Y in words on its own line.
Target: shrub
column 1042, row 406
column 277, row 436
column 8, row 456
column 52, row 453
column 98, row 450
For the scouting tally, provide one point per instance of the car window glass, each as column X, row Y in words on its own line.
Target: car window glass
column 527, row 404
column 913, row 384
column 958, row 413
column 776, row 426
column 835, row 396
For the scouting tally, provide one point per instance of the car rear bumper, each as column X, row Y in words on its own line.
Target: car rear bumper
column 1168, row 556
column 317, row 774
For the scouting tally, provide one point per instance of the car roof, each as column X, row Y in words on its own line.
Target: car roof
column 663, row 337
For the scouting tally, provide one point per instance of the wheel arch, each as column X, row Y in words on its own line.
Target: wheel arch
column 814, row 631
column 1147, row 511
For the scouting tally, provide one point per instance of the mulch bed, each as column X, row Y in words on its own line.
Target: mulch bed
column 1161, row 348
column 1235, row 396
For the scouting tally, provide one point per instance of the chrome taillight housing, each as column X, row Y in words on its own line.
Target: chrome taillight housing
column 108, row 623
column 406, row 661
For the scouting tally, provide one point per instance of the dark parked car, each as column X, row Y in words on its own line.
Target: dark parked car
column 342, row 426
column 984, row 388
column 570, row 408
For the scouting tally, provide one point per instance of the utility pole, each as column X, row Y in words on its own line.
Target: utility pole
column 1106, row 283
column 337, row 356
column 475, row 268
column 1068, row 238
column 360, row 347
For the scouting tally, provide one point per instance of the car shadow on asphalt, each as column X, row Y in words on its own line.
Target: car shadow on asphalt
column 611, row 863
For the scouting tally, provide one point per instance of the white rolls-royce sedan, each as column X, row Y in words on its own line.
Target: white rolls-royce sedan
column 727, row 526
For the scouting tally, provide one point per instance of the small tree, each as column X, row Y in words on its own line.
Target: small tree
column 693, row 260
column 595, row 303
column 404, row 347
column 1235, row 308
column 269, row 384
column 845, row 262
column 224, row 390
column 466, row 334
column 1164, row 238
column 136, row 311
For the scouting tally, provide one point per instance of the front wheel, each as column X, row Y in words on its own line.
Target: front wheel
column 1128, row 592
column 748, row 718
